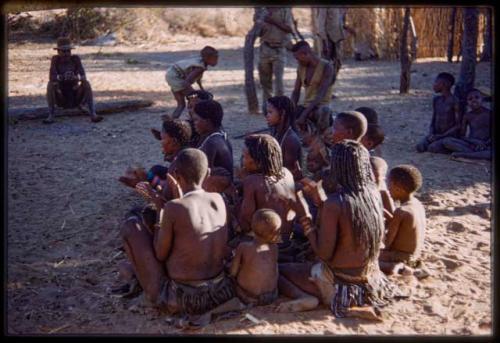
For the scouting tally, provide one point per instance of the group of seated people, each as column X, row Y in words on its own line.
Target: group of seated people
column 307, row 215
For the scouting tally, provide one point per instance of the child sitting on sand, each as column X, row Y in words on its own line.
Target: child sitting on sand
column 445, row 120
column 182, row 74
column 255, row 264
column 405, row 233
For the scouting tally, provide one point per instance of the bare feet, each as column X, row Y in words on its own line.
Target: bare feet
column 298, row 305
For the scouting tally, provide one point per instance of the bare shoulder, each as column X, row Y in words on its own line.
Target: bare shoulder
column 333, row 202
column 250, row 181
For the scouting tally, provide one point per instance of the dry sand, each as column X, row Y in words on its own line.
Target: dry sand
column 65, row 204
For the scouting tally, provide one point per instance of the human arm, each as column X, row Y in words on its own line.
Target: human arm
column 248, row 204
column 53, row 76
column 291, row 156
column 325, row 83
column 163, row 235
column 200, row 85
column 194, row 75
column 393, row 227
column 282, row 25
column 79, row 68
column 236, row 262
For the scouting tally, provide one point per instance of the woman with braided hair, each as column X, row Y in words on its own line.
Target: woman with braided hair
column 266, row 179
column 281, row 119
column 346, row 242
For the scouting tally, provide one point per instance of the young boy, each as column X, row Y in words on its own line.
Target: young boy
column 263, row 161
column 348, row 125
column 477, row 144
column 379, row 167
column 182, row 74
column 255, row 264
column 445, row 120
column 373, row 138
column 405, row 234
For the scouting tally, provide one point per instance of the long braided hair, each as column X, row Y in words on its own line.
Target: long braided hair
column 266, row 152
column 283, row 104
column 351, row 169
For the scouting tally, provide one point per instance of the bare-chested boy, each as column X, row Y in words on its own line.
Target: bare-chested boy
column 68, row 86
column 207, row 117
column 316, row 75
column 180, row 264
column 267, row 178
column 182, row 74
column 404, row 238
column 346, row 242
column 255, row 264
column 445, row 120
column 379, row 168
column 477, row 144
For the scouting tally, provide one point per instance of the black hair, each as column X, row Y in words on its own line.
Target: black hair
column 200, row 94
column 407, row 177
column 191, row 164
column 266, row 152
column 209, row 51
column 284, row 104
column 474, row 90
column 300, row 45
column 375, row 134
column 446, row 77
column 354, row 121
column 178, row 130
column 351, row 169
column 211, row 110
column 370, row 114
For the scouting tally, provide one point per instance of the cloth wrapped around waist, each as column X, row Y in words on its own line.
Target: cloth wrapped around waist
column 198, row 297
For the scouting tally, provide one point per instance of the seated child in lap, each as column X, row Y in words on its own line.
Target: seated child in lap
column 255, row 264
column 477, row 144
column 405, row 233
column 445, row 120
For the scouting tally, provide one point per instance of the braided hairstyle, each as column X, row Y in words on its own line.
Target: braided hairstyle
column 266, row 152
column 350, row 168
column 284, row 104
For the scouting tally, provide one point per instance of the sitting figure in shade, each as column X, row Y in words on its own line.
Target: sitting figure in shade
column 404, row 238
column 475, row 145
column 68, row 86
column 255, row 263
column 445, row 120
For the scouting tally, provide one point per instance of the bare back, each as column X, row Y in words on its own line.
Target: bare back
column 410, row 232
column 199, row 237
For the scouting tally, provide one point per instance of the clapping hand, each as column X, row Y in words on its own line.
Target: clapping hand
column 313, row 190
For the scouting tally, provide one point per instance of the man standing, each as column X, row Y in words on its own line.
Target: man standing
column 68, row 86
column 275, row 37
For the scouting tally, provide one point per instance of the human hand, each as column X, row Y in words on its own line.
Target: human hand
column 174, row 186
column 149, row 194
column 314, row 190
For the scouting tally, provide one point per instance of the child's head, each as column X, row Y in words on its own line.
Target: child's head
column 474, row 99
column 262, row 153
column 374, row 136
column 379, row 167
column 280, row 109
column 317, row 158
column 404, row 180
column 207, row 116
column 190, row 167
column 444, row 81
column 370, row 114
column 175, row 134
column 196, row 96
column 348, row 125
column 266, row 225
column 210, row 56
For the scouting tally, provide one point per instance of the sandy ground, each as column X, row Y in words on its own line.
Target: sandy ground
column 65, row 204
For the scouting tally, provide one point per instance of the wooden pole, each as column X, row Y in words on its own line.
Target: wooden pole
column 404, row 84
column 487, row 46
column 248, row 54
column 451, row 34
column 469, row 57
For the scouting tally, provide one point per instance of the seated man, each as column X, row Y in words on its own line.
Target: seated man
column 174, row 278
column 182, row 74
column 255, row 263
column 445, row 120
column 316, row 75
column 68, row 86
column 405, row 234
column 263, row 160
column 346, row 242
column 477, row 144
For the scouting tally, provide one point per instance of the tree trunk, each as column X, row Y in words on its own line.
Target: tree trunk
column 248, row 55
column 404, row 85
column 451, row 34
column 100, row 108
column 414, row 40
column 469, row 56
column 487, row 47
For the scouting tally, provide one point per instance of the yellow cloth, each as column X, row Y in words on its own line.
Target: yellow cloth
column 177, row 72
